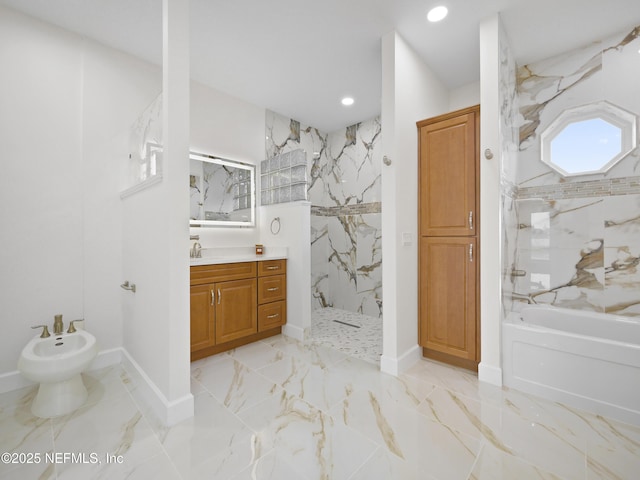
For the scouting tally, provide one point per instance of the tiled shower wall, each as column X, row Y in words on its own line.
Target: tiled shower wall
column 509, row 150
column 343, row 176
column 578, row 238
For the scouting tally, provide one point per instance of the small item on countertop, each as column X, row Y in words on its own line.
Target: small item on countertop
column 259, row 249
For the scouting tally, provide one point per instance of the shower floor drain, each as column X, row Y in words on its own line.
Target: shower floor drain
column 348, row 324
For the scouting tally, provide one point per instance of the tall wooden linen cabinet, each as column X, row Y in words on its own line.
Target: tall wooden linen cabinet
column 449, row 266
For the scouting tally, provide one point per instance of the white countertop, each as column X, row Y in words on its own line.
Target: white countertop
column 212, row 256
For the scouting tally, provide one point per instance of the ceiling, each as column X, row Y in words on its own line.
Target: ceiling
column 300, row 57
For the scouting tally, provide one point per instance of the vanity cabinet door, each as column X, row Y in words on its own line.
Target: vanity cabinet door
column 448, row 171
column 448, row 274
column 202, row 317
column 236, row 309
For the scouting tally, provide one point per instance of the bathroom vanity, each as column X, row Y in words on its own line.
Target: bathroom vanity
column 235, row 302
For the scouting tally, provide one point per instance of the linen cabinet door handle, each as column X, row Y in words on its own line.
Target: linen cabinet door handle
column 471, row 252
column 219, row 296
column 470, row 219
column 213, row 297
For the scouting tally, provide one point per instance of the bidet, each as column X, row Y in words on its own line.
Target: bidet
column 56, row 362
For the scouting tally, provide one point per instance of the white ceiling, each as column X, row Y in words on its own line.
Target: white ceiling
column 300, row 57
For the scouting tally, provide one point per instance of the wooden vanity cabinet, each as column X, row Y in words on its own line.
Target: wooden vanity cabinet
column 228, row 308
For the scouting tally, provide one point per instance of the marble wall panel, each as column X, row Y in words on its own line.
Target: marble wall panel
column 604, row 70
column 352, row 171
column 283, row 134
column 320, row 287
column 622, row 254
column 347, row 262
column 369, row 264
column 578, row 238
column 508, row 132
column 581, row 253
column 343, row 175
column 560, row 248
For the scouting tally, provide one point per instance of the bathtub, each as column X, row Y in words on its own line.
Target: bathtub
column 584, row 359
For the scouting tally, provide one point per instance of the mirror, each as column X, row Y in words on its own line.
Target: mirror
column 222, row 192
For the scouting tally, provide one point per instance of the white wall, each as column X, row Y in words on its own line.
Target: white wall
column 225, row 126
column 464, row 96
column 295, row 234
column 489, row 369
column 410, row 92
column 156, row 322
column 116, row 88
column 62, row 106
column 65, row 135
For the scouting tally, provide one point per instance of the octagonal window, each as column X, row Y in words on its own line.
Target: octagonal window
column 588, row 139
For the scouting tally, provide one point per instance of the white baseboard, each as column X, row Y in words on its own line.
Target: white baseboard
column 490, row 374
column 107, row 358
column 395, row 366
column 14, row 380
column 169, row 412
column 294, row 331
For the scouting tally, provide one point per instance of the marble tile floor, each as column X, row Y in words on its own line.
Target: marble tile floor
column 354, row 334
column 280, row 409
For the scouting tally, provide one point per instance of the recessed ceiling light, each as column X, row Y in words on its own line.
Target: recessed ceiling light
column 346, row 101
column 437, row 13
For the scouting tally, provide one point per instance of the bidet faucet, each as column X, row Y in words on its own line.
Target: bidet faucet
column 45, row 330
column 58, row 326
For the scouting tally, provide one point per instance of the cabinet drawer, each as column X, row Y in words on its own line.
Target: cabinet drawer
column 201, row 274
column 272, row 315
column 272, row 267
column 272, row 289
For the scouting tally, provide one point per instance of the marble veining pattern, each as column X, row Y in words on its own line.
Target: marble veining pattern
column 576, row 238
column 343, row 184
column 509, row 156
column 145, row 144
column 280, row 409
column 581, row 253
column 604, row 70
